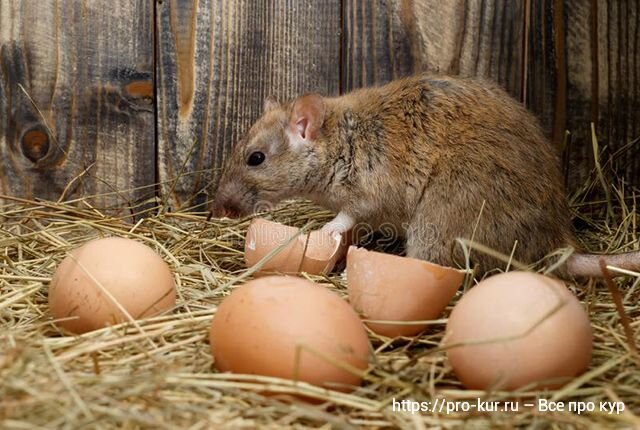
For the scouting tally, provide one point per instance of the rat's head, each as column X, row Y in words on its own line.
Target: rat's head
column 273, row 160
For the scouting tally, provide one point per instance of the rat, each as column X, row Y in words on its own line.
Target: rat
column 435, row 157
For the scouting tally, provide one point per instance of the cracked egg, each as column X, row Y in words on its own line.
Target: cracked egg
column 404, row 292
column 315, row 252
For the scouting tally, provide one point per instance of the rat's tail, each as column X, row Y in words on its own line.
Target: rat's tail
column 589, row 264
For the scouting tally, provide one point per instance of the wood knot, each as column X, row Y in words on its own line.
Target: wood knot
column 35, row 143
column 139, row 89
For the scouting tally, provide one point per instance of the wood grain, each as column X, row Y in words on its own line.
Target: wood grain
column 76, row 94
column 618, row 82
column 470, row 38
column 375, row 44
column 218, row 60
column 77, row 78
column 542, row 67
column 583, row 67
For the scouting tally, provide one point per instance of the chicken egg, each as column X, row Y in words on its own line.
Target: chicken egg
column 515, row 329
column 101, row 282
column 291, row 328
column 314, row 253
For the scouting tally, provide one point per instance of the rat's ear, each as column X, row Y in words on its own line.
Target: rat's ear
column 270, row 103
column 307, row 116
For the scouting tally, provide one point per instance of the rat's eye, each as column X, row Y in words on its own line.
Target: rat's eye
column 256, row 158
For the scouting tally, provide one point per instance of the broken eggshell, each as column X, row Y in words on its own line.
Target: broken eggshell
column 315, row 252
column 398, row 289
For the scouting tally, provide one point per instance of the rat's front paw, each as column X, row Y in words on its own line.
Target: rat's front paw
column 333, row 230
column 339, row 225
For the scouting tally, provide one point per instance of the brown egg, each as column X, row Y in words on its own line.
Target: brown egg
column 314, row 253
column 86, row 283
column 527, row 328
column 399, row 289
column 291, row 328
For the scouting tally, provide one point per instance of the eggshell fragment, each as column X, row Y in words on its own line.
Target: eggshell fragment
column 314, row 253
column 525, row 328
column 291, row 328
column 86, row 283
column 399, row 289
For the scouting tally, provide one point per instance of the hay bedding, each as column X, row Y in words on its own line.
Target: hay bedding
column 163, row 377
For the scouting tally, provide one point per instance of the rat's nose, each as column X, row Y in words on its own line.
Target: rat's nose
column 228, row 209
column 230, row 212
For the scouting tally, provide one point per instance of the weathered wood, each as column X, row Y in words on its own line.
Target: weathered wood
column 218, row 60
column 76, row 94
column 545, row 81
column 375, row 44
column 86, row 70
column 546, row 76
column 616, row 85
column 473, row 38
column 583, row 67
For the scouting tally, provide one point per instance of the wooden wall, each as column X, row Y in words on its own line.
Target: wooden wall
column 112, row 96
column 76, row 99
column 217, row 61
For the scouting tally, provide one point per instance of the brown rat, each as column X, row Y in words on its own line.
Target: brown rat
column 438, row 158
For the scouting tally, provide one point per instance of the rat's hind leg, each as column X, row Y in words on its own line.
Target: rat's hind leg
column 426, row 240
column 436, row 224
column 440, row 219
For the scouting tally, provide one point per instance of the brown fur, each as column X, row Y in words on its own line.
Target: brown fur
column 437, row 157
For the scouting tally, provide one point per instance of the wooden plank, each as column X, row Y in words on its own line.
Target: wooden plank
column 616, row 84
column 546, row 91
column 375, row 44
column 579, row 94
column 583, row 67
column 86, row 69
column 545, row 80
column 218, row 60
column 472, row 38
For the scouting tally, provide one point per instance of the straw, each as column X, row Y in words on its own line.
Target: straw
column 160, row 373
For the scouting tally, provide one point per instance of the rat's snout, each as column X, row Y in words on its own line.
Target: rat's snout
column 238, row 197
column 230, row 210
column 228, row 200
column 226, row 207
